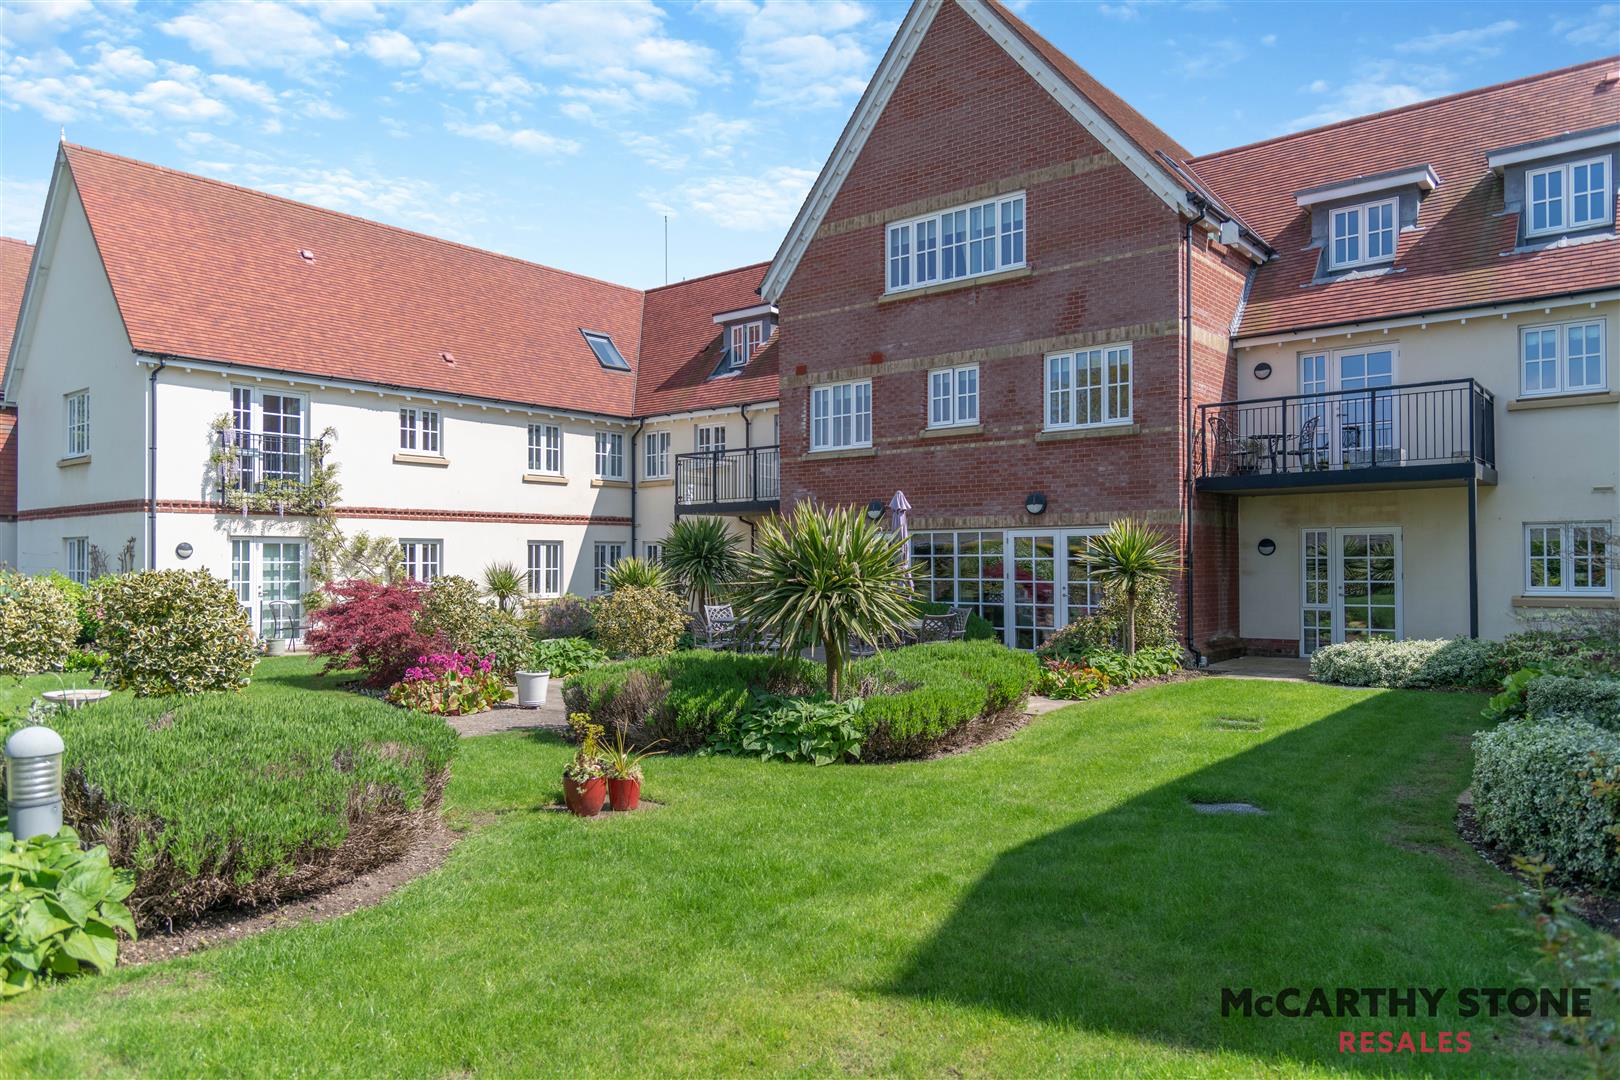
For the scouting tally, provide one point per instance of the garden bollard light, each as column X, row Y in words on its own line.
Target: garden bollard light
column 34, row 782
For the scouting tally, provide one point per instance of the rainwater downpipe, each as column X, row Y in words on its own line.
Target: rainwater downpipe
column 1197, row 201
column 151, row 465
column 634, row 435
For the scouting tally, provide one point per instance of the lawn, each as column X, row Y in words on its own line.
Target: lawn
column 1049, row 904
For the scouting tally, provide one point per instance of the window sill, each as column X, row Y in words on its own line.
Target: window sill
column 405, row 458
column 1565, row 600
column 959, row 283
column 1095, row 431
column 599, row 482
column 70, row 462
column 543, row 478
column 657, row 481
column 832, row 455
column 952, row 429
column 1559, row 401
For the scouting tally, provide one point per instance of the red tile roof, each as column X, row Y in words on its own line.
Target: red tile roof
column 1462, row 253
column 211, row 271
column 14, row 259
column 681, row 346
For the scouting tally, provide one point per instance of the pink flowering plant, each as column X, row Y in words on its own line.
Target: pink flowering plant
column 449, row 684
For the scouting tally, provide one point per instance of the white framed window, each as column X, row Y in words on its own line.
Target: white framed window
column 1088, row 388
column 653, row 553
column 424, row 559
column 1574, row 195
column 78, row 423
column 953, row 396
column 545, row 449
column 841, row 415
column 545, row 567
column 657, row 455
column 1363, row 234
column 419, row 431
column 608, row 554
column 964, row 241
column 1567, row 558
column 744, row 341
column 710, row 437
column 609, row 455
column 1566, row 358
column 76, row 557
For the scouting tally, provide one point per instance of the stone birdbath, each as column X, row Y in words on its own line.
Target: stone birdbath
column 75, row 699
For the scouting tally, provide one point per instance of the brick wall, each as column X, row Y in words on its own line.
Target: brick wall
column 8, row 464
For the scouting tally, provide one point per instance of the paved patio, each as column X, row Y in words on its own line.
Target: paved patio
column 1264, row 667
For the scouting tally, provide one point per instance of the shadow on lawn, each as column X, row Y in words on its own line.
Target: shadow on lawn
column 1133, row 921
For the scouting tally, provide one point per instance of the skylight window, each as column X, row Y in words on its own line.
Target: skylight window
column 607, row 353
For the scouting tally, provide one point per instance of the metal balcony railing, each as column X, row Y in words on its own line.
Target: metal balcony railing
column 263, row 468
column 1411, row 431
column 734, row 481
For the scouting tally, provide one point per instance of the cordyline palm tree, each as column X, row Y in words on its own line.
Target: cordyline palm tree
column 826, row 576
column 1130, row 553
column 637, row 573
column 504, row 583
column 701, row 554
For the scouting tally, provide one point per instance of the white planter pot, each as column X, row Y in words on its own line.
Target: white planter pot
column 531, row 686
column 276, row 646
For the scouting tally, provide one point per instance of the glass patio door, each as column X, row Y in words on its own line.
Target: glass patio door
column 1366, row 418
column 1048, row 584
column 268, row 578
column 1350, row 586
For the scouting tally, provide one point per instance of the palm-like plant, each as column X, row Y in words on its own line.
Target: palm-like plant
column 825, row 576
column 701, row 554
column 1128, row 554
column 504, row 582
column 637, row 573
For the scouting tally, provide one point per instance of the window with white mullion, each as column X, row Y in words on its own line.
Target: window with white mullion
column 419, row 430
column 424, row 559
column 1363, row 234
column 545, row 449
column 953, row 396
column 1089, row 388
column 1567, row 558
column 78, row 423
column 609, row 455
column 657, row 464
column 961, row 242
column 1563, row 359
column 1574, row 195
column 545, row 567
column 841, row 416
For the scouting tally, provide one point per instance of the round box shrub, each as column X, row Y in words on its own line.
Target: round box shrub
column 38, row 625
column 1457, row 663
column 639, row 622
column 172, row 632
column 1566, row 697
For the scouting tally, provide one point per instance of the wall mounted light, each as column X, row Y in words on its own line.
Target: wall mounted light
column 874, row 509
column 1035, row 502
column 1262, row 370
column 1268, row 546
column 182, row 550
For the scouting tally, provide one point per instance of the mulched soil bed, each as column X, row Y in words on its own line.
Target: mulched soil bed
column 227, row 925
column 1601, row 912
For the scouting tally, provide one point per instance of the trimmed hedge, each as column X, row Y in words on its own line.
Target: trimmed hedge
column 172, row 632
column 233, row 799
column 1458, row 663
column 1536, row 794
column 915, row 698
column 1564, row 697
column 38, row 624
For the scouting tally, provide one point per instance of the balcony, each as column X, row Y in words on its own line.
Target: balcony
column 748, row 480
column 1409, row 435
column 268, row 473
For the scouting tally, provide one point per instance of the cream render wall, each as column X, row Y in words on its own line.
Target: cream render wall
column 1557, row 460
column 655, row 499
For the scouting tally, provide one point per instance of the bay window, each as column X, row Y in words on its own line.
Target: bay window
column 962, row 242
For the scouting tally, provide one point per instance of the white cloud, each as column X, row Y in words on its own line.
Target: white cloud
column 234, row 86
column 1379, row 85
column 173, row 99
column 1600, row 27
column 256, row 33
column 1479, row 41
column 807, row 55
column 1126, row 11
column 766, row 201
column 22, row 202
column 41, row 20
column 1268, row 40
column 125, row 62
column 392, row 48
column 344, row 12
column 527, row 140
column 461, row 66
column 1213, row 58
column 706, row 136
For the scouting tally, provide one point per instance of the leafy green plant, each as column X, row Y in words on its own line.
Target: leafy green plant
column 622, row 762
column 826, row 576
column 795, row 729
column 701, row 553
column 1456, row 663
column 636, row 621
column 1510, row 702
column 1157, row 614
column 505, row 583
column 920, row 696
column 361, row 557
column 1068, row 680
column 1588, row 698
column 454, row 613
column 566, row 616
column 1143, row 664
column 1127, row 556
column 173, row 632
column 79, row 596
column 565, row 656
column 39, row 624
column 588, row 762
column 635, row 573
column 449, row 684
column 61, row 909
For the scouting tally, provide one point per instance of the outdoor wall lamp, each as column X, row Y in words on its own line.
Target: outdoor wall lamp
column 1035, row 502
column 34, row 782
column 874, row 509
column 1268, row 546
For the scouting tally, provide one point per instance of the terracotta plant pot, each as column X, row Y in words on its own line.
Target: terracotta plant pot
column 585, row 799
column 625, row 794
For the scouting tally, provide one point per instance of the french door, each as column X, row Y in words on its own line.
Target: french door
column 1351, row 587
column 268, row 576
column 1356, row 425
column 1048, row 584
column 269, row 430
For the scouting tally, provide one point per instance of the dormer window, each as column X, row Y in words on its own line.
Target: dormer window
column 1574, row 195
column 1560, row 185
column 607, row 353
column 1363, row 234
column 745, row 340
column 743, row 333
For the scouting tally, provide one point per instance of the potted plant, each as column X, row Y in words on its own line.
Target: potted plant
column 623, row 770
column 585, row 777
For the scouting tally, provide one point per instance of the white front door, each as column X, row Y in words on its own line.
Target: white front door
column 1351, row 586
column 268, row 576
column 1048, row 584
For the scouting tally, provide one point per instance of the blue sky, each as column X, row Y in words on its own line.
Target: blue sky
column 564, row 132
